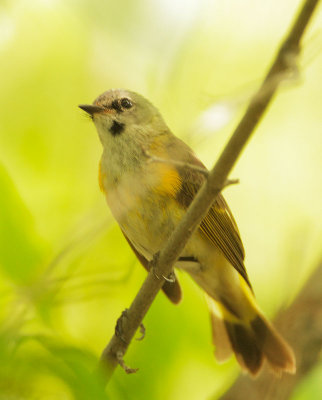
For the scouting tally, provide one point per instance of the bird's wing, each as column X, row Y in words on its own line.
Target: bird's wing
column 219, row 225
column 171, row 289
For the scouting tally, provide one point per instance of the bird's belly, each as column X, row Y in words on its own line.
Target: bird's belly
column 146, row 217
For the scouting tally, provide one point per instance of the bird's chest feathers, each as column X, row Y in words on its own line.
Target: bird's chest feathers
column 142, row 200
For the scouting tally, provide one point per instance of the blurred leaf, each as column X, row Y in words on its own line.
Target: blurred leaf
column 76, row 366
column 21, row 248
column 37, row 358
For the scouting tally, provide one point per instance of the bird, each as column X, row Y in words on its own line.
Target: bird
column 148, row 200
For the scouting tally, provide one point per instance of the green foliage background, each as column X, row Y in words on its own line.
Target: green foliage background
column 65, row 271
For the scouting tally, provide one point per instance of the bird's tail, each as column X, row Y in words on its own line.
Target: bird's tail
column 253, row 340
column 239, row 326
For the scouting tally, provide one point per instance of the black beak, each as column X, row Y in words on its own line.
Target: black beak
column 90, row 109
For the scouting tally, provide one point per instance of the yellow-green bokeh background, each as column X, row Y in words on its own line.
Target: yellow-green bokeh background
column 65, row 271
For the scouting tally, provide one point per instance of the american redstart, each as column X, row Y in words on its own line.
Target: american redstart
column 148, row 199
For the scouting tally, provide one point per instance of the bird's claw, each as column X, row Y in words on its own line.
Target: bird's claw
column 170, row 278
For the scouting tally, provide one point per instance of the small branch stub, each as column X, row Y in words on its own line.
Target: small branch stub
column 229, row 182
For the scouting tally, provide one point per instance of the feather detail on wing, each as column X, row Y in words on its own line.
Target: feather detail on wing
column 219, row 225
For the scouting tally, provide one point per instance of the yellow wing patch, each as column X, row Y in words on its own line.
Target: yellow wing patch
column 101, row 177
column 170, row 182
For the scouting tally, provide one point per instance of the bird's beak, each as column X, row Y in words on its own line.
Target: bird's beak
column 91, row 109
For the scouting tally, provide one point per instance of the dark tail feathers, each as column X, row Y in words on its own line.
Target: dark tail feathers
column 254, row 342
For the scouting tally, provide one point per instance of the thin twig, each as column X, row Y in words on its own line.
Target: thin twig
column 229, row 182
column 208, row 192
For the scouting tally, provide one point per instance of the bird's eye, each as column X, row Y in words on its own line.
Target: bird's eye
column 126, row 103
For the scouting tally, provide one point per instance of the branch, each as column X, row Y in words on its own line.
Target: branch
column 302, row 324
column 164, row 261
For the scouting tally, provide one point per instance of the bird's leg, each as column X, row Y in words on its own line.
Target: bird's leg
column 170, row 278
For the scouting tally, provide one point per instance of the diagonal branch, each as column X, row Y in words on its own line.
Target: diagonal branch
column 163, row 263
